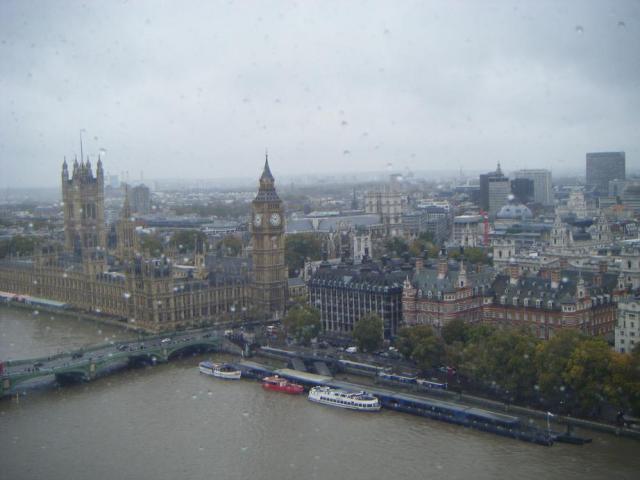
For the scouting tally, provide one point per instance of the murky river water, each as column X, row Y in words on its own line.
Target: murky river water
column 169, row 422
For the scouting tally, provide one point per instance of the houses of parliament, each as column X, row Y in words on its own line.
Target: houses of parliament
column 156, row 294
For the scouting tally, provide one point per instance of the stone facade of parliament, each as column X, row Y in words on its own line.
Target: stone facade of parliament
column 154, row 293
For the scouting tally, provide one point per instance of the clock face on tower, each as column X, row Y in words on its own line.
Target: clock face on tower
column 274, row 219
column 257, row 219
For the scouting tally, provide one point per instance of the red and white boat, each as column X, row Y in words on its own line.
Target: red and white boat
column 280, row 384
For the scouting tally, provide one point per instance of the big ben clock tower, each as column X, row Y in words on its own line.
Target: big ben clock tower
column 267, row 232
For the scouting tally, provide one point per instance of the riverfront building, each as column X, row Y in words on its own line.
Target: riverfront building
column 627, row 335
column 154, row 293
column 345, row 293
column 436, row 295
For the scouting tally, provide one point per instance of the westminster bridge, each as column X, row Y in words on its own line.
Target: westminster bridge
column 87, row 363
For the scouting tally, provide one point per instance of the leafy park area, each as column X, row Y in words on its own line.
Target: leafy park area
column 570, row 374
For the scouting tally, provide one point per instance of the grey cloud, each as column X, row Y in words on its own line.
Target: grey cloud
column 199, row 89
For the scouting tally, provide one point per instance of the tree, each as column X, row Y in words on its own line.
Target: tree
column 185, row 240
column 588, row 370
column 456, row 330
column 423, row 243
column 303, row 323
column 552, row 359
column 503, row 360
column 623, row 387
column 18, row 245
column 230, row 245
column 368, row 333
column 152, row 245
column 301, row 246
column 422, row 345
column 472, row 255
column 396, row 247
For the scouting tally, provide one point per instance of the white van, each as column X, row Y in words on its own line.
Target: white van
column 351, row 349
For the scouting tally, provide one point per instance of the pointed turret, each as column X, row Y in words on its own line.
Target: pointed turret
column 65, row 170
column 462, row 275
column 126, row 206
column 88, row 167
column 266, row 172
column 99, row 170
column 267, row 191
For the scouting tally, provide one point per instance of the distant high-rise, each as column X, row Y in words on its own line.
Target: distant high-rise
column 141, row 199
column 603, row 167
column 495, row 189
column 542, row 188
column 523, row 189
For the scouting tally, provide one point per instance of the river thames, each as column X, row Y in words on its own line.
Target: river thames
column 170, row 422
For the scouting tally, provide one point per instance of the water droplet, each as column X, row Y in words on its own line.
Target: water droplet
column 201, row 449
column 344, row 123
column 194, row 397
column 210, row 393
column 621, row 24
column 244, row 449
column 346, row 152
column 245, row 414
column 579, row 29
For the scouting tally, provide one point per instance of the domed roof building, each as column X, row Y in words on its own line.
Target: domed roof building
column 515, row 212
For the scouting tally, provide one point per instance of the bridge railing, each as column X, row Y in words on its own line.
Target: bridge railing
column 103, row 345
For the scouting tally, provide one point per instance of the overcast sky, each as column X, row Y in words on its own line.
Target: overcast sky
column 199, row 89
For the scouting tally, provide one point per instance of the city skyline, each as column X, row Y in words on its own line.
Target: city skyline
column 200, row 92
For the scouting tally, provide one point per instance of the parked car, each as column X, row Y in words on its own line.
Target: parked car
column 165, row 340
column 351, row 350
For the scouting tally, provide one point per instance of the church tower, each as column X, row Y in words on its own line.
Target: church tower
column 267, row 233
column 83, row 198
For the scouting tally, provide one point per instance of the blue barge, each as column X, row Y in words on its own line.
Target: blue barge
column 471, row 417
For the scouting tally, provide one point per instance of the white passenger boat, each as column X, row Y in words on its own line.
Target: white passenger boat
column 340, row 398
column 220, row 370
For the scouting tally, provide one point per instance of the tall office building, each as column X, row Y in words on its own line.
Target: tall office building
column 523, row 189
column 602, row 167
column 542, row 187
column 141, row 199
column 495, row 189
